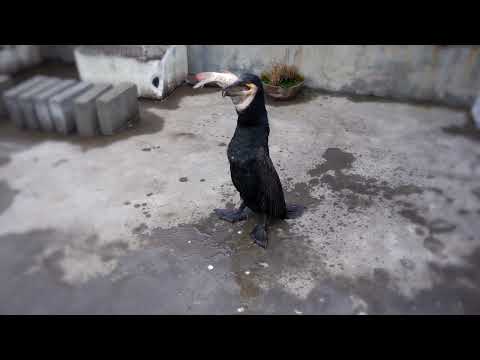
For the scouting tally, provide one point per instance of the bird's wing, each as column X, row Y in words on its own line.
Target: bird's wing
column 222, row 79
column 270, row 188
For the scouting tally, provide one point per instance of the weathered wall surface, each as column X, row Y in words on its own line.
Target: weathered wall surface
column 156, row 69
column 58, row 52
column 14, row 58
column 444, row 74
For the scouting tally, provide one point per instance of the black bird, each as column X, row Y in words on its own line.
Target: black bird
column 251, row 168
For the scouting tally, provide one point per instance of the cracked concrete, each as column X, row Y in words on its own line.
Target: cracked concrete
column 124, row 224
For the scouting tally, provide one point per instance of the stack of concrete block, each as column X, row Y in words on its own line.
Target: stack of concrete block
column 41, row 103
column 116, row 107
column 61, row 107
column 5, row 84
column 41, row 118
column 85, row 109
column 66, row 105
column 11, row 100
column 26, row 101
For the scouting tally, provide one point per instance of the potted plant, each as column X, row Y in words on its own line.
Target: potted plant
column 282, row 82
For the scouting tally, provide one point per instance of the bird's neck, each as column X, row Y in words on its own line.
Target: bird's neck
column 253, row 117
column 255, row 114
column 252, row 136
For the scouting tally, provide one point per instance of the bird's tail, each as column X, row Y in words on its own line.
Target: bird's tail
column 294, row 211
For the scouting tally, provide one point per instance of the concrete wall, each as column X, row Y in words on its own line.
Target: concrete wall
column 58, row 52
column 444, row 74
column 156, row 70
column 14, row 58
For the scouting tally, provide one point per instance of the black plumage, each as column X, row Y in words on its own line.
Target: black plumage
column 251, row 168
column 252, row 171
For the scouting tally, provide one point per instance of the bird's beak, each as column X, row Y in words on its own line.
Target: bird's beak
column 236, row 89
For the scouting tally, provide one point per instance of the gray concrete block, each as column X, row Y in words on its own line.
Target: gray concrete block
column 476, row 112
column 116, row 107
column 26, row 102
column 10, row 98
column 85, row 110
column 61, row 107
column 5, row 84
column 41, row 104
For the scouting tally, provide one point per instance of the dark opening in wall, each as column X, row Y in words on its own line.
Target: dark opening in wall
column 156, row 81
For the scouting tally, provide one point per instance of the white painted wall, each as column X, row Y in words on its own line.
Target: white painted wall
column 445, row 74
column 120, row 64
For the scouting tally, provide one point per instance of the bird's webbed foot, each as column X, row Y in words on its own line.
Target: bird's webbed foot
column 259, row 234
column 232, row 215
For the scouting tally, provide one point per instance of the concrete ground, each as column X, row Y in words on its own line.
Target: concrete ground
column 124, row 224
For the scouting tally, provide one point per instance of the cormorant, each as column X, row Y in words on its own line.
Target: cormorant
column 251, row 168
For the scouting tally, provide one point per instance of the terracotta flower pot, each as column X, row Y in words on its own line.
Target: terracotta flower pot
column 282, row 93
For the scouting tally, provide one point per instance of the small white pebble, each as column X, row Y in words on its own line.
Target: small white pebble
column 247, row 272
column 239, row 231
column 210, row 267
column 298, row 312
column 322, row 300
column 265, row 265
column 189, row 241
column 240, row 309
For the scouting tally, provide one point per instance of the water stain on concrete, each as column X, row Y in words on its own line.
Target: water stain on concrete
column 407, row 264
column 335, row 159
column 358, row 192
column 361, row 189
column 7, row 195
column 439, row 226
column 476, row 192
column 381, row 276
column 59, row 162
column 301, row 194
column 455, row 291
column 140, row 229
column 414, row 217
column 436, row 226
column 467, row 130
column 229, row 246
column 4, row 160
column 440, row 192
column 419, row 231
column 184, row 135
column 433, row 244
